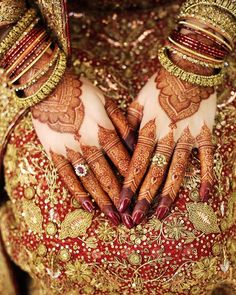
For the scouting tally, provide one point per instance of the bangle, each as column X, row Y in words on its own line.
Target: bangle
column 30, row 64
column 193, row 26
column 219, row 45
column 47, row 88
column 17, row 30
column 38, row 75
column 207, row 81
column 226, row 5
column 207, row 58
column 198, row 46
column 218, row 14
column 194, row 60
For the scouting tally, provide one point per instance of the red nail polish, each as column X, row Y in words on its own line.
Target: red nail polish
column 88, row 206
column 124, row 204
column 205, row 192
column 114, row 217
column 137, row 217
column 128, row 221
column 161, row 212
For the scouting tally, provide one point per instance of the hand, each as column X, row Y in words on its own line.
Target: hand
column 174, row 117
column 75, row 130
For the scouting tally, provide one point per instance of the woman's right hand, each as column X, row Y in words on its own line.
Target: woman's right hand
column 75, row 130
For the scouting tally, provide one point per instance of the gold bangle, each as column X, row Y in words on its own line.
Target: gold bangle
column 194, row 52
column 17, row 30
column 38, row 75
column 194, row 60
column 39, row 38
column 206, row 32
column 33, row 62
column 47, row 88
column 206, row 81
column 226, row 5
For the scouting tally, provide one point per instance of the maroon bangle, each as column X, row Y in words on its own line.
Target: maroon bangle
column 16, row 49
column 218, row 45
column 23, row 48
column 28, row 55
column 198, row 46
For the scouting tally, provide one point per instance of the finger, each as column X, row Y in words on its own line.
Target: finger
column 102, row 171
column 127, row 218
column 121, row 123
column 135, row 114
column 92, row 185
column 206, row 155
column 70, row 180
column 114, row 148
column 154, row 177
column 176, row 173
column 139, row 163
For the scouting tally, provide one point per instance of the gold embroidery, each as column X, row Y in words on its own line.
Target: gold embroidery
column 64, row 255
column 135, row 259
column 75, row 224
column 203, row 217
column 51, row 228
column 32, row 216
column 42, row 250
column 29, row 193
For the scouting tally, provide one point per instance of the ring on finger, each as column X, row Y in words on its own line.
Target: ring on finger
column 159, row 160
column 81, row 169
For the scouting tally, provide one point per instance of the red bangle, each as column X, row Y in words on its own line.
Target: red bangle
column 18, row 47
column 218, row 45
column 198, row 46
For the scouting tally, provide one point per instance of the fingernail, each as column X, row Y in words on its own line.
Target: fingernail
column 88, row 206
column 114, row 217
column 123, row 205
column 137, row 217
column 128, row 221
column 161, row 212
column 130, row 140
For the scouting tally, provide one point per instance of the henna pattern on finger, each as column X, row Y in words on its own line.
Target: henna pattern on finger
column 178, row 98
column 89, row 181
column 67, row 175
column 102, row 171
column 135, row 114
column 206, row 155
column 178, row 165
column 120, row 122
column 158, row 168
column 114, row 148
column 63, row 111
column 141, row 157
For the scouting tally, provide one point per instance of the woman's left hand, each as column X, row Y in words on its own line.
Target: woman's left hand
column 174, row 116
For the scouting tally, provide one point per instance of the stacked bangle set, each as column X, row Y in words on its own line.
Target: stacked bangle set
column 25, row 45
column 211, row 44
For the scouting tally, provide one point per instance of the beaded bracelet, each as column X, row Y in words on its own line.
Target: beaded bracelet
column 17, row 30
column 206, row 81
column 47, row 88
column 193, row 60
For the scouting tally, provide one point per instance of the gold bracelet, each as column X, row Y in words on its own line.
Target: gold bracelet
column 188, row 24
column 17, row 30
column 216, row 61
column 223, row 24
column 11, row 11
column 39, row 74
column 226, row 5
column 206, row 81
column 33, row 62
column 47, row 88
column 184, row 55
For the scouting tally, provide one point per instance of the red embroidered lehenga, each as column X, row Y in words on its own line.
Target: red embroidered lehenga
column 69, row 251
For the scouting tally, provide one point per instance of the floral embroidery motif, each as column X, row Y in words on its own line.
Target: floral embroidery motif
column 33, row 216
